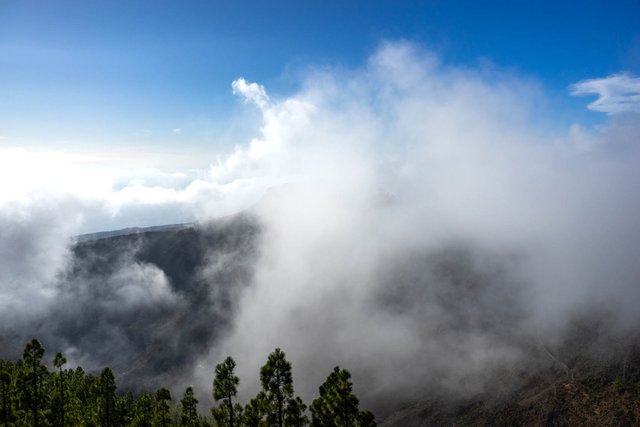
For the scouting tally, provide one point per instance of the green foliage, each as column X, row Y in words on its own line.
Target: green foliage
column 162, row 417
column 32, row 382
column 225, row 388
column 255, row 411
column 277, row 385
column 59, row 360
column 143, row 411
column 81, row 405
column 294, row 413
column 189, row 408
column 31, row 395
column 5, row 393
column 124, row 407
column 59, row 394
column 366, row 419
column 337, row 406
column 106, row 399
column 223, row 416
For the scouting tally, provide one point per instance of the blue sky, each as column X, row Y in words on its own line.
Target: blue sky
column 78, row 73
column 127, row 107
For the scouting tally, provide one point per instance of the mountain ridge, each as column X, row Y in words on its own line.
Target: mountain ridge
column 130, row 230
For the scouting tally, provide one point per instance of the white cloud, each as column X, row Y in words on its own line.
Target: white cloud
column 619, row 93
column 392, row 163
column 177, row 131
column 389, row 164
column 252, row 92
column 4, row 138
column 111, row 194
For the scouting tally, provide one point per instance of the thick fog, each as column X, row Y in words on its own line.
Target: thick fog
column 438, row 226
column 426, row 226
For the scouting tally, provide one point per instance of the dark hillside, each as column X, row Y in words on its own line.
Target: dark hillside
column 593, row 394
column 147, row 304
column 151, row 303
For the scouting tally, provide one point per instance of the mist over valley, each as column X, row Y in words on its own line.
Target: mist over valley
column 451, row 237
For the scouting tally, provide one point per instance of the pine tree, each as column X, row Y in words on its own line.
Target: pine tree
column 366, row 419
column 294, row 413
column 58, row 361
column 277, row 384
column 189, row 408
column 83, row 399
column 337, row 406
column 225, row 386
column 32, row 355
column 124, row 406
column 162, row 407
column 82, row 407
column 143, row 410
column 106, row 398
column 5, row 386
column 254, row 411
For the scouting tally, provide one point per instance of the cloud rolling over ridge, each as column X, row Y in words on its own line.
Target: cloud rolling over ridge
column 431, row 231
column 420, row 230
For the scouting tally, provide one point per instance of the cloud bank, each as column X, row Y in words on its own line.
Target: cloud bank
column 421, row 231
column 430, row 233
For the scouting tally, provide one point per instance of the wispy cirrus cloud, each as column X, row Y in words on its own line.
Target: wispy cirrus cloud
column 618, row 93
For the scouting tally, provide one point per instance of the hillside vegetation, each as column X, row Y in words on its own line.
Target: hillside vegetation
column 32, row 394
